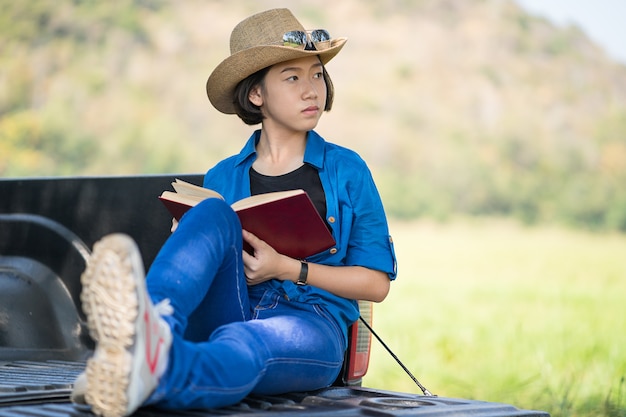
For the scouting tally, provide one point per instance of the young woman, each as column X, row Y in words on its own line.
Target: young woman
column 212, row 323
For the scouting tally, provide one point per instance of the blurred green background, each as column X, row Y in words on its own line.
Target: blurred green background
column 494, row 310
column 497, row 139
column 469, row 106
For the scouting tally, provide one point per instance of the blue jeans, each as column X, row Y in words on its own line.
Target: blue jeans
column 230, row 340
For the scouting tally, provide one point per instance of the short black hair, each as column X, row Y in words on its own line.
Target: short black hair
column 250, row 113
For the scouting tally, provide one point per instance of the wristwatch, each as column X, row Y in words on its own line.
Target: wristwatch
column 304, row 272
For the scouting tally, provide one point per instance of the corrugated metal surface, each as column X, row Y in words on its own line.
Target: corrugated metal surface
column 27, row 382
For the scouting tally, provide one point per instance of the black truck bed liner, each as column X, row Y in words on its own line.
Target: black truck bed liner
column 30, row 389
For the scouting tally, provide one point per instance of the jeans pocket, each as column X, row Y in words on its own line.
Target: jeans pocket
column 268, row 300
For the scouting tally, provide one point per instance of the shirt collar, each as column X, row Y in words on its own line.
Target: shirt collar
column 313, row 154
column 249, row 149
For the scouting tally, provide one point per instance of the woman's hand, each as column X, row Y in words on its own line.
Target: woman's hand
column 266, row 263
column 174, row 225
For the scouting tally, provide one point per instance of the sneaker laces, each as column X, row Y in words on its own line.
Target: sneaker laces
column 164, row 308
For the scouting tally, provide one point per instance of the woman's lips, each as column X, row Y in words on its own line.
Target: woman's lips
column 311, row 110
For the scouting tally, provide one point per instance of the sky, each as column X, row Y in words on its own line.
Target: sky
column 604, row 21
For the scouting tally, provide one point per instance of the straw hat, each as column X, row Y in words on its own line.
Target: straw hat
column 256, row 43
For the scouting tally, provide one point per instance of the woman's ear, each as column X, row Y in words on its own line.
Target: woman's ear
column 255, row 96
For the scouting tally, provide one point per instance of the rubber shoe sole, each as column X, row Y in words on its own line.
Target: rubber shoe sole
column 132, row 341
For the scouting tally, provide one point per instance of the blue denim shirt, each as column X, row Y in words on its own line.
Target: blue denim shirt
column 354, row 212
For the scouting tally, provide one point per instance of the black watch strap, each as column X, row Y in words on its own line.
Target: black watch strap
column 304, row 272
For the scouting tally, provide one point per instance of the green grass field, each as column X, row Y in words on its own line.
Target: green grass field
column 534, row 317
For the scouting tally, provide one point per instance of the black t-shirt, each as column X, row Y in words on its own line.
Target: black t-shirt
column 305, row 177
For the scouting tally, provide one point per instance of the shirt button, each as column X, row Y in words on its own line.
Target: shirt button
column 333, row 251
column 331, row 219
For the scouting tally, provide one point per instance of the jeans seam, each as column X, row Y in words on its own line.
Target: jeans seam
column 239, row 290
column 331, row 321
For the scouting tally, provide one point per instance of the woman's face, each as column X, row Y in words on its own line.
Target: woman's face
column 293, row 95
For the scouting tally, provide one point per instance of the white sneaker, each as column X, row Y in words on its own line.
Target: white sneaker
column 132, row 340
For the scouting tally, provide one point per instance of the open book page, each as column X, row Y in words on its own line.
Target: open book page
column 194, row 193
column 259, row 199
column 187, row 200
column 186, row 196
column 192, row 190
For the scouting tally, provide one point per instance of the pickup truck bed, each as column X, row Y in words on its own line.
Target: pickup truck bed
column 42, row 389
column 47, row 226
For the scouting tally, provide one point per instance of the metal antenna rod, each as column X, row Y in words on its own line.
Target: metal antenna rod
column 393, row 355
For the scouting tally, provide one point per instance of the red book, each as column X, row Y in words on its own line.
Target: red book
column 285, row 220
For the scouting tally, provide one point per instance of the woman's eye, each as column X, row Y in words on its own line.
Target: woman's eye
column 293, row 78
column 319, row 75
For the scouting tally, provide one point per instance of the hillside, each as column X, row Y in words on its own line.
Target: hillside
column 464, row 106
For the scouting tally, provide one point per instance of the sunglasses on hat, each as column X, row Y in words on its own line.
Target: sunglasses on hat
column 309, row 39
